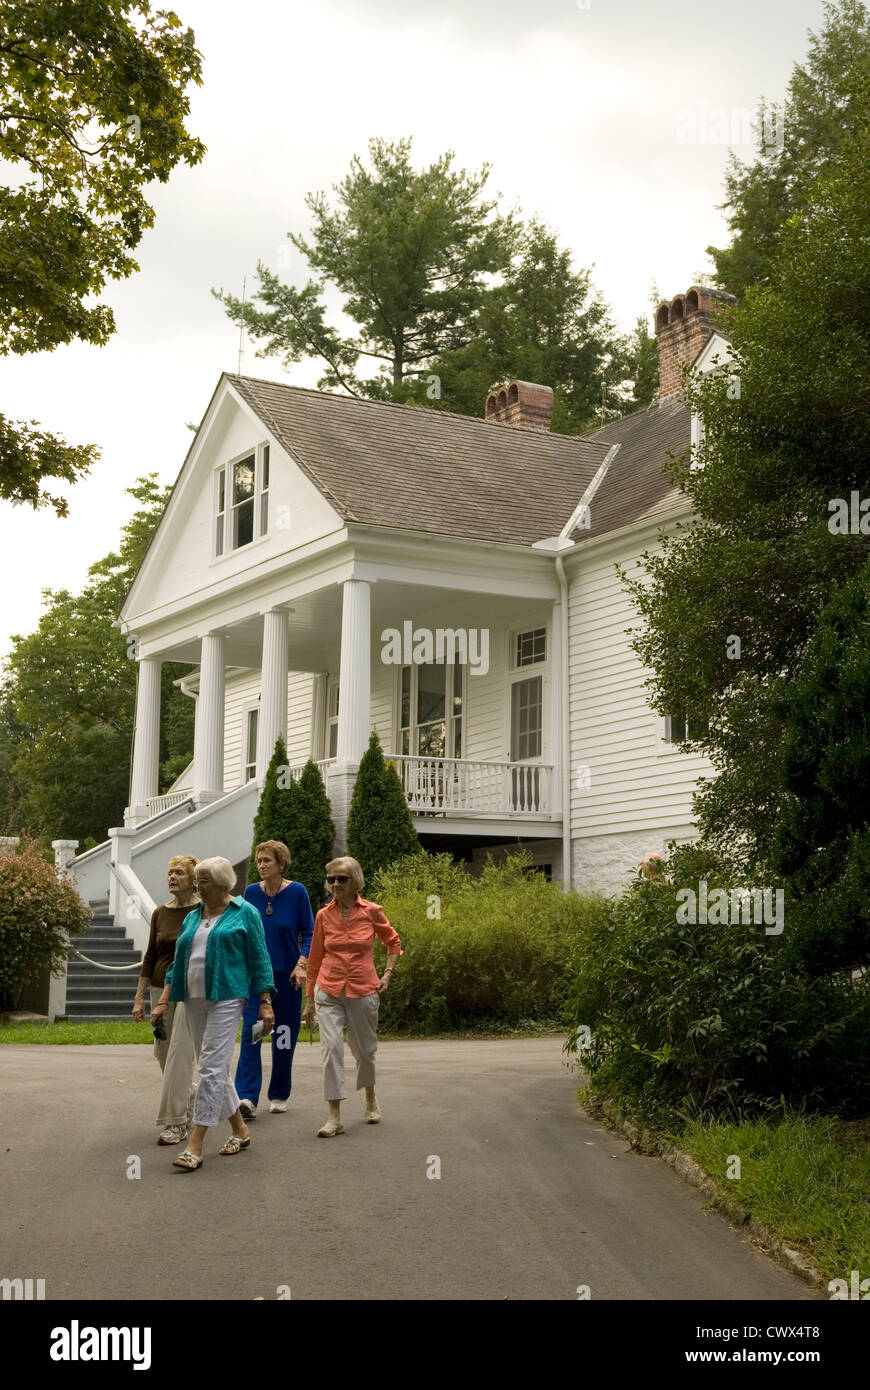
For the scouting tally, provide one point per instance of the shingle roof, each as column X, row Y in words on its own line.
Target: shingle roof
column 635, row 485
column 428, row 470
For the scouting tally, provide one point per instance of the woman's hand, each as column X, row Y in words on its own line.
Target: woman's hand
column 299, row 975
column 158, row 1011
column 139, row 1010
column 308, row 1014
column 384, row 983
column 268, row 1017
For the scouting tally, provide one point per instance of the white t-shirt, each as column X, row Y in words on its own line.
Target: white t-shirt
column 196, row 960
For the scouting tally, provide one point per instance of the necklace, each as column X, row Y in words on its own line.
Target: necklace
column 270, row 900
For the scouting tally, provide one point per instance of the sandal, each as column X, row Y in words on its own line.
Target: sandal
column 188, row 1161
column 233, row 1144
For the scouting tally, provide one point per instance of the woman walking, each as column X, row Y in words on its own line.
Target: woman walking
column 220, row 957
column 288, row 924
column 343, row 984
column 174, row 1050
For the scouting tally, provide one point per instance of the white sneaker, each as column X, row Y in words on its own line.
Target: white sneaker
column 277, row 1107
column 248, row 1109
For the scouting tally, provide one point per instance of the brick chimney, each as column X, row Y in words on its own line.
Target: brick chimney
column 521, row 403
column 683, row 326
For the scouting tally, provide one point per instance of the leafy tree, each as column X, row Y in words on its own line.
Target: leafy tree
column 545, row 322
column 761, row 560
column 797, row 142
column 408, row 250
column 69, row 697
column 379, row 826
column 822, row 836
column 36, row 909
column 92, row 109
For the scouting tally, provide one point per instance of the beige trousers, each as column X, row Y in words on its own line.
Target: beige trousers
column 177, row 1057
column 360, row 1018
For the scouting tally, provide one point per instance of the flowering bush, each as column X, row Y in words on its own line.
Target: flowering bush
column 36, row 909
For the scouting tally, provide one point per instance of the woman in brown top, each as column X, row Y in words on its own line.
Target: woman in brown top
column 176, row 1062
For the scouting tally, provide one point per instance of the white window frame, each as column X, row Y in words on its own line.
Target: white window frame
column 332, row 689
column 448, row 706
column 261, row 502
column 516, row 673
column 252, row 708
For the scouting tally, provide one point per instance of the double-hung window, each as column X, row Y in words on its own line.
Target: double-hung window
column 528, row 651
column 430, row 710
column 241, row 501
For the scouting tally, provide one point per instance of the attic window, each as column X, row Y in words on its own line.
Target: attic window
column 241, row 501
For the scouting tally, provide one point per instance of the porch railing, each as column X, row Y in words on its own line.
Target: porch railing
column 158, row 804
column 442, row 785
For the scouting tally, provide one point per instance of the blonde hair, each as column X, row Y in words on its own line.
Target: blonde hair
column 278, row 849
column 188, row 863
column 351, row 868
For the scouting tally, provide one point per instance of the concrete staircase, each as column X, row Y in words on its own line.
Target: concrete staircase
column 94, row 995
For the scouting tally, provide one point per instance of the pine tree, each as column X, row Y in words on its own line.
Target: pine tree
column 379, row 827
column 277, row 812
column 315, row 834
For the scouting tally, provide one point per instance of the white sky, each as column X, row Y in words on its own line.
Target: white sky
column 580, row 109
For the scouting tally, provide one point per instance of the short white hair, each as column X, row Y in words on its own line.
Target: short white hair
column 221, row 870
column 351, row 868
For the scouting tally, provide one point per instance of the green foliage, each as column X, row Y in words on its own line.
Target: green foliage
column 798, row 143
column 708, row 1018
column 822, row 836
column 760, row 562
column 36, row 908
column 407, row 249
column 312, row 849
column 545, row 322
column 806, row 1178
column 492, row 950
column 379, row 825
column 296, row 812
column 68, row 698
column 92, row 110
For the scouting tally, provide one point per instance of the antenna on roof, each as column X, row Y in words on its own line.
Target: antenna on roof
column 602, row 409
column 242, row 327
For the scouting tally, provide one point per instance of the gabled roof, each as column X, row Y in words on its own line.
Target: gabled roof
column 635, row 485
column 427, row 470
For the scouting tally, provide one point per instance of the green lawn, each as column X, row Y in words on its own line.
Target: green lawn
column 806, row 1178
column 126, row 1031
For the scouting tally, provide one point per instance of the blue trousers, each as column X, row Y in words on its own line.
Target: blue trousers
column 287, row 1005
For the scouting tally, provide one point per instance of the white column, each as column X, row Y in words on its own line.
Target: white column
column 272, row 720
column 355, row 679
column 208, row 736
column 146, row 738
column 318, row 716
column 558, row 748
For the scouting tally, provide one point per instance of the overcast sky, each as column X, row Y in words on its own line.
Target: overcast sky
column 584, row 110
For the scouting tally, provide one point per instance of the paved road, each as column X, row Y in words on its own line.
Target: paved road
column 534, row 1198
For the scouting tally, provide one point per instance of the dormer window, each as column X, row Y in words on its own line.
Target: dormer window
column 241, row 501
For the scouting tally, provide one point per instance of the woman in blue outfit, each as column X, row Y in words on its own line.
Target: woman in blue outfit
column 285, row 910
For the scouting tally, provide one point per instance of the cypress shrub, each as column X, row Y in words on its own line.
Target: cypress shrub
column 313, row 834
column 379, row 826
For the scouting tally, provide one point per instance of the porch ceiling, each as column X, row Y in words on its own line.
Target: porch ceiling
column 315, row 622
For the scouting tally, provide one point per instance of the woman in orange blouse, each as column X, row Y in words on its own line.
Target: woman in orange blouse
column 343, row 984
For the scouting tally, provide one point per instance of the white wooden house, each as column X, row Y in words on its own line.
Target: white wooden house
column 315, row 551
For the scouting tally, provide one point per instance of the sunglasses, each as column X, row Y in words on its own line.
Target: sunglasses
column 337, row 878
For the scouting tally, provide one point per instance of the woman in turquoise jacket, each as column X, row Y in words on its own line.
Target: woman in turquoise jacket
column 220, row 959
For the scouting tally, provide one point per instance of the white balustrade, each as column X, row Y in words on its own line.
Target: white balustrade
column 442, row 785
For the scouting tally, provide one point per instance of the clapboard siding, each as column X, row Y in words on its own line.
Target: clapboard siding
column 635, row 784
column 242, row 691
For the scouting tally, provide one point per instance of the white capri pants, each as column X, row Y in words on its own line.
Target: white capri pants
column 177, row 1059
column 213, row 1025
column 360, row 1018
